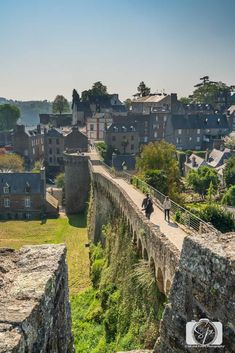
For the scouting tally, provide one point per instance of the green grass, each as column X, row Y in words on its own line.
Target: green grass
column 72, row 231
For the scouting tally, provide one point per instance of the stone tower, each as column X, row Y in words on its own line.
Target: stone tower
column 76, row 182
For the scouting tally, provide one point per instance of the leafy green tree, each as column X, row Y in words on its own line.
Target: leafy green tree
column 229, row 197
column 11, row 163
column 185, row 100
column 229, row 172
column 199, row 180
column 97, row 90
column 143, row 89
column 209, row 92
column 127, row 103
column 59, row 180
column 229, row 142
column 211, row 192
column 161, row 155
column 157, row 179
column 60, row 105
column 219, row 218
column 9, row 114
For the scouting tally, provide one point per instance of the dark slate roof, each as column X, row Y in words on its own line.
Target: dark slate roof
column 210, row 121
column 53, row 132
column 18, row 182
column 122, row 127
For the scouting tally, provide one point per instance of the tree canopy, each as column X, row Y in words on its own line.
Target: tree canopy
column 97, row 90
column 210, row 92
column 9, row 114
column 60, row 105
column 229, row 197
column 143, row 89
column 203, row 178
column 229, row 172
column 11, row 163
column 160, row 156
column 59, row 180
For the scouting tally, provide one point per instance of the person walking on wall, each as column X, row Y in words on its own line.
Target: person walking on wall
column 167, row 207
column 147, row 206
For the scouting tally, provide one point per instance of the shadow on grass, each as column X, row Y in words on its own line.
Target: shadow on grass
column 78, row 220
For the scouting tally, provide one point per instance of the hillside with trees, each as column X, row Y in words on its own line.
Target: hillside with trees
column 29, row 110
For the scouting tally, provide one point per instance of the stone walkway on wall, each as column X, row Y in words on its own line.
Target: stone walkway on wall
column 174, row 233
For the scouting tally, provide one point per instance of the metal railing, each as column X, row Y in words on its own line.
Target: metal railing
column 180, row 214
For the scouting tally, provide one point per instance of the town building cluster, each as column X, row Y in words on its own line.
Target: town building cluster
column 154, row 117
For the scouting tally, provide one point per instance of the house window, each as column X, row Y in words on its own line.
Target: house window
column 155, row 134
column 190, row 138
column 178, row 140
column 179, row 131
column 27, row 202
column 28, row 215
column 132, row 147
column 57, row 141
column 145, row 138
column 132, row 138
column 198, row 131
column 198, row 139
column 42, row 148
column 57, row 151
column 50, row 159
column 6, row 189
column 92, row 127
column 165, row 118
column 113, row 138
column 50, row 141
column 50, row 150
column 6, row 202
column 156, row 118
column 33, row 150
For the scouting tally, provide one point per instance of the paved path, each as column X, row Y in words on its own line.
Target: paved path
column 174, row 233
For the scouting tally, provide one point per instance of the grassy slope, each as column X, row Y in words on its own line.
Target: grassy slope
column 70, row 231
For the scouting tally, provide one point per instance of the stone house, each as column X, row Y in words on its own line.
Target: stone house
column 193, row 162
column 56, row 120
column 196, row 132
column 54, row 148
column 156, row 102
column 75, row 140
column 96, row 125
column 6, row 138
column 22, row 195
column 59, row 140
column 123, row 137
column 29, row 143
column 231, row 117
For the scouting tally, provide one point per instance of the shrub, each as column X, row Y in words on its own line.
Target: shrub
column 229, row 197
column 96, row 269
column 59, row 180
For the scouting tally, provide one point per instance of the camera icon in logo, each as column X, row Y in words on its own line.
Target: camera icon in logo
column 204, row 333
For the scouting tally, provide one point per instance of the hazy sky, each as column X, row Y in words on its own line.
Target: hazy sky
column 49, row 47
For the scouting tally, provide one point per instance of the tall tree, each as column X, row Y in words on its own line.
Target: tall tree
column 9, row 114
column 161, row 155
column 97, row 90
column 11, row 163
column 143, row 89
column 60, row 105
column 229, row 172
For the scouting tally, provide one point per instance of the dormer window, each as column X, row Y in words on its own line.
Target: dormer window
column 6, row 189
column 27, row 187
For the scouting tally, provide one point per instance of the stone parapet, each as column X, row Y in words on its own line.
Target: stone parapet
column 34, row 302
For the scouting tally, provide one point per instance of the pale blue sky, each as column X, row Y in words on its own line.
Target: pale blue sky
column 49, row 47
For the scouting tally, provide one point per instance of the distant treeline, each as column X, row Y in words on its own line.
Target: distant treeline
column 29, row 110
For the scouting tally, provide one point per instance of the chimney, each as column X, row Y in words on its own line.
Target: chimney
column 174, row 102
column 193, row 161
column 187, row 158
column 207, row 155
column 20, row 128
column 39, row 129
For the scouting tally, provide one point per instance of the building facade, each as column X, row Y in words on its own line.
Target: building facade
column 123, row 137
column 29, row 143
column 22, row 195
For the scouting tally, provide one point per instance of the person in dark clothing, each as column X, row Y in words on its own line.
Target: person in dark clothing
column 147, row 206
